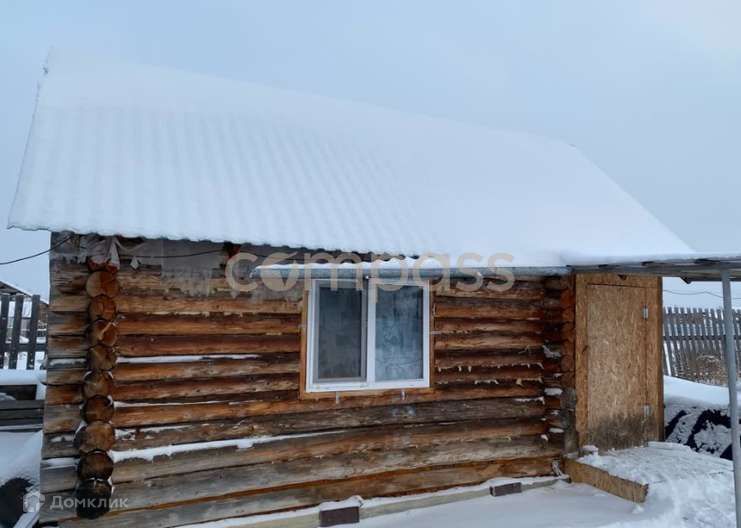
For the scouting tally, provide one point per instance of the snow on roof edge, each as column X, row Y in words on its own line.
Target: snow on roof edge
column 538, row 144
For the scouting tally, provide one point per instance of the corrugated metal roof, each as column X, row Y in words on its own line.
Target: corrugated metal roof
column 142, row 151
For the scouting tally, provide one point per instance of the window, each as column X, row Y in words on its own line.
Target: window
column 374, row 338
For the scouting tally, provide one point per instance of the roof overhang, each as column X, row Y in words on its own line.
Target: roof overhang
column 690, row 269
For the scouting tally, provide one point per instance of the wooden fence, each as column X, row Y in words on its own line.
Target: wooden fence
column 22, row 347
column 22, row 331
column 694, row 341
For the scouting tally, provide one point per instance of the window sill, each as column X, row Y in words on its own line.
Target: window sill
column 365, row 392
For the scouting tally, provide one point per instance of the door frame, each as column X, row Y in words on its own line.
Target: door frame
column 654, row 345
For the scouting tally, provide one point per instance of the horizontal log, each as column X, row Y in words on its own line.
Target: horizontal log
column 76, row 324
column 59, row 394
column 147, row 391
column 521, row 291
column 70, row 279
column 182, row 325
column 478, row 375
column 251, row 503
column 444, row 325
column 478, row 308
column 486, row 341
column 73, row 375
column 224, row 481
column 282, row 450
column 58, row 446
column 329, row 444
column 164, row 304
column 64, row 347
column 474, row 359
column 323, row 417
column 207, row 368
column 154, row 414
column 67, row 324
column 61, row 418
column 147, row 346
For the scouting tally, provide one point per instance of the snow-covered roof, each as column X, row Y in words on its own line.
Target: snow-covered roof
column 9, row 287
column 142, row 151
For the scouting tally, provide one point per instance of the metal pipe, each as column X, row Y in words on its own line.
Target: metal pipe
column 730, row 344
column 381, row 272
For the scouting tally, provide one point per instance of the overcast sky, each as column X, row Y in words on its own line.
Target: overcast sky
column 649, row 90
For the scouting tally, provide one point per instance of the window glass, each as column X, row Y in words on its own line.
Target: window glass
column 340, row 339
column 398, row 337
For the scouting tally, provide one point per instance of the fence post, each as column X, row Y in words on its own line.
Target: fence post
column 15, row 336
column 4, row 307
column 33, row 330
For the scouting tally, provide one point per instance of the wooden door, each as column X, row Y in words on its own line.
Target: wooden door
column 618, row 363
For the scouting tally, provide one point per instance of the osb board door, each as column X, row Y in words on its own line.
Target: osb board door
column 619, row 384
column 616, row 336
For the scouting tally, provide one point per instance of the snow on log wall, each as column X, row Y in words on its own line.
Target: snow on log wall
column 209, row 421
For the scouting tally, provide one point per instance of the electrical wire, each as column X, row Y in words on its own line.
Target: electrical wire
column 21, row 259
column 703, row 292
column 55, row 246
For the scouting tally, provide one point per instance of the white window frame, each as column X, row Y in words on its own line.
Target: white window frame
column 370, row 288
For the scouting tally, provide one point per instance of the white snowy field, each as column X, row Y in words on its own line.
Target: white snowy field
column 692, row 504
column 20, row 456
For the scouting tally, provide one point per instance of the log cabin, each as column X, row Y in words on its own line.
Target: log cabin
column 193, row 377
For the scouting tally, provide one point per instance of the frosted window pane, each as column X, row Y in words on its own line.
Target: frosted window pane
column 340, row 339
column 399, row 351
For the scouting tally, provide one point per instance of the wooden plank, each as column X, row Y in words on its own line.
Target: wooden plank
column 601, row 479
column 15, row 335
column 33, row 330
column 4, row 308
column 9, row 405
column 581, row 358
column 617, row 391
column 654, row 376
column 668, row 346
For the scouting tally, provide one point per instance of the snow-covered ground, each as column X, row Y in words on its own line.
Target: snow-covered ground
column 686, row 490
column 20, row 455
column 696, row 415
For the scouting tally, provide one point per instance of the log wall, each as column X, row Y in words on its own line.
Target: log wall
column 189, row 370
